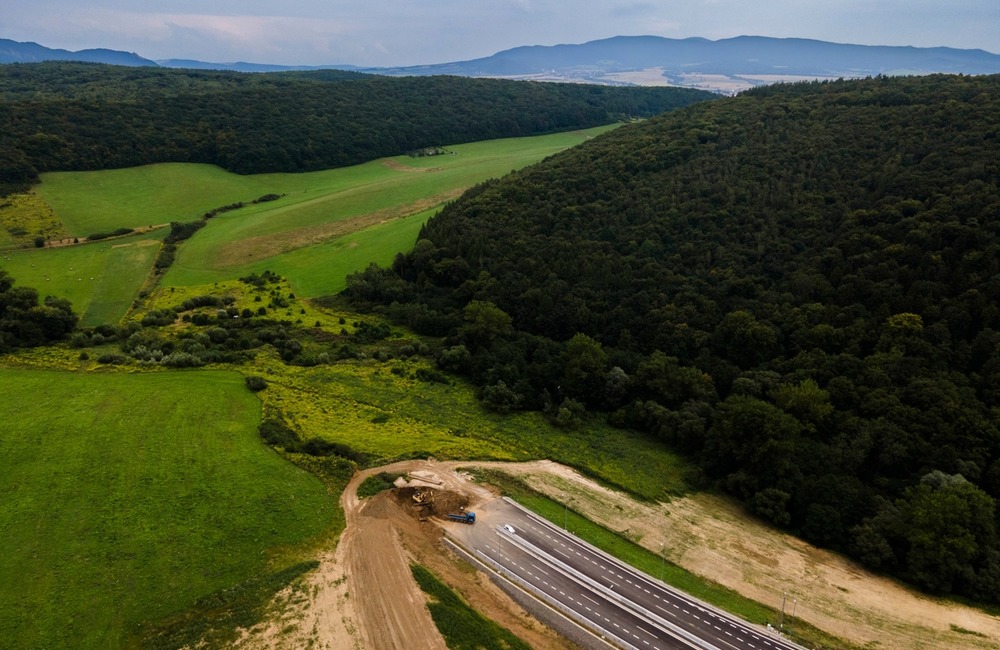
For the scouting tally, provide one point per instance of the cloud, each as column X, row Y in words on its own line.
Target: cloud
column 634, row 9
column 242, row 35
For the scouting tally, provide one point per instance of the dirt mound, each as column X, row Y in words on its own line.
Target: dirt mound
column 382, row 508
column 429, row 502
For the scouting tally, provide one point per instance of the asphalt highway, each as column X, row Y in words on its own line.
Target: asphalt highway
column 601, row 593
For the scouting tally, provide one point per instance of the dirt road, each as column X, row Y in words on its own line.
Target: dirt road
column 363, row 597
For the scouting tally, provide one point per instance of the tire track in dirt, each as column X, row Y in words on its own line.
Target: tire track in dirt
column 253, row 249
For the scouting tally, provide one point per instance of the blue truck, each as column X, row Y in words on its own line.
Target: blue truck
column 464, row 517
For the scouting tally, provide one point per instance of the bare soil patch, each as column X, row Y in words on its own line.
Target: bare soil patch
column 262, row 247
column 395, row 165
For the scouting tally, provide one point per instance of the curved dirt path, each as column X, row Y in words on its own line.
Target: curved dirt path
column 363, row 597
column 387, row 602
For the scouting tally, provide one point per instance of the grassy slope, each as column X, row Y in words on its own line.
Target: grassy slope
column 462, row 627
column 323, row 269
column 339, row 402
column 323, row 197
column 89, row 202
column 127, row 497
column 100, row 279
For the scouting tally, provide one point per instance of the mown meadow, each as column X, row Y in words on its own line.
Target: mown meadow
column 128, row 497
column 101, row 279
column 322, row 226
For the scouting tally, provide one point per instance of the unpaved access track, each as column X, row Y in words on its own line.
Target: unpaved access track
column 362, row 595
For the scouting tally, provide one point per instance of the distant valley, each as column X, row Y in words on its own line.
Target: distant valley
column 724, row 66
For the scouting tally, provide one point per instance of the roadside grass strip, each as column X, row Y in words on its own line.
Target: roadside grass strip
column 462, row 627
column 654, row 565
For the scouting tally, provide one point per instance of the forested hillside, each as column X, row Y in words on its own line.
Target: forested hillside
column 73, row 116
column 799, row 287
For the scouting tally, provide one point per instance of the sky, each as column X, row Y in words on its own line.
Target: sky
column 415, row 32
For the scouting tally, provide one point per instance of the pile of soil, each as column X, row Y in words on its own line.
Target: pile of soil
column 423, row 502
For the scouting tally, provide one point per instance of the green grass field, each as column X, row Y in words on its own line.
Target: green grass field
column 326, row 224
column 300, row 233
column 101, row 201
column 89, row 202
column 127, row 497
column 323, row 269
column 101, row 279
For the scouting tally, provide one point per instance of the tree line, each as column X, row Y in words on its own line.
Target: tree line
column 77, row 116
column 797, row 287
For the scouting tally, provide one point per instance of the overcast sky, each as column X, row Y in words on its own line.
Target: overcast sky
column 412, row 32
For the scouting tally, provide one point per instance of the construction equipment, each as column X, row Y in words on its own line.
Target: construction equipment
column 464, row 517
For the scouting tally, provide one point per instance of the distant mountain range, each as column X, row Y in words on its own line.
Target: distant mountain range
column 726, row 65
column 16, row 52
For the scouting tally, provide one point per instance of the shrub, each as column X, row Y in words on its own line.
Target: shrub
column 97, row 236
column 256, row 383
column 202, row 301
column 112, row 359
column 278, row 434
column 376, row 483
column 367, row 333
column 431, row 375
column 182, row 360
column 159, row 318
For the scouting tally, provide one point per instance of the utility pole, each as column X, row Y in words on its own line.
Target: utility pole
column 663, row 561
column 781, row 624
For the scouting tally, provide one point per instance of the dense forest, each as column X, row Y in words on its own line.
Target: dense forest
column 798, row 287
column 77, row 116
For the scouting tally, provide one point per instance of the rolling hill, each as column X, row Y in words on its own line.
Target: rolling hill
column 797, row 286
column 75, row 116
column 19, row 52
column 724, row 65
